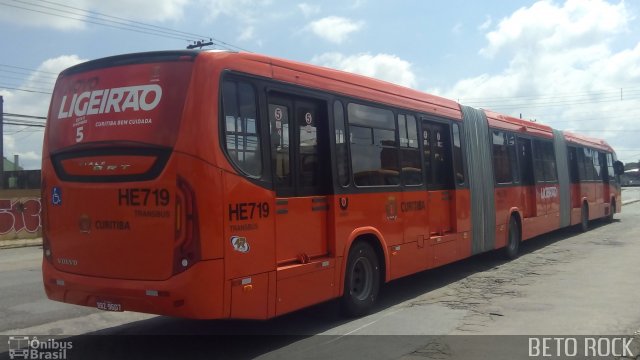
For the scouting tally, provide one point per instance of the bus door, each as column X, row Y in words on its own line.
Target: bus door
column 528, row 194
column 301, row 175
column 439, row 175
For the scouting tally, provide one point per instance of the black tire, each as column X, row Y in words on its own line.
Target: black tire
column 584, row 218
column 612, row 211
column 362, row 280
column 513, row 241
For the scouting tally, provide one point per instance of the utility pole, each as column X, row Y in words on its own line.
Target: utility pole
column 2, row 142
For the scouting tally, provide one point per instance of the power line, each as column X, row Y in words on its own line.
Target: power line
column 32, row 70
column 605, row 130
column 19, row 120
column 24, row 75
column 575, row 119
column 632, row 156
column 18, row 123
column 23, row 122
column 11, row 78
column 555, row 96
column 25, row 90
column 25, row 129
column 199, row 36
column 114, row 22
column 552, row 104
column 91, row 22
column 25, row 87
column 26, row 116
column 567, row 99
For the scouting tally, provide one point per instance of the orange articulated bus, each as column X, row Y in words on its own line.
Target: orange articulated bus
column 209, row 184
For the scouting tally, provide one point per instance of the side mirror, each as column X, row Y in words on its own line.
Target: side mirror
column 618, row 167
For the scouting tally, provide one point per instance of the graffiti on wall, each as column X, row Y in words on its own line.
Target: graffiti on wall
column 21, row 215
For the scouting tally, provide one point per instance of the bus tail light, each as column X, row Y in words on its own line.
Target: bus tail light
column 46, row 244
column 187, row 234
column 46, row 247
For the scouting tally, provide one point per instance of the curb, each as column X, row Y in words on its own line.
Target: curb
column 630, row 201
column 16, row 243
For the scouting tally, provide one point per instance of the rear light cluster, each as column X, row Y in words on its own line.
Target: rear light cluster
column 187, row 234
column 46, row 245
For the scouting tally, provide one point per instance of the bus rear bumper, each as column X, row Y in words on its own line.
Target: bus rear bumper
column 195, row 293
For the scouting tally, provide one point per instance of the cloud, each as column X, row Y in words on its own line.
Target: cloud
column 246, row 14
column 457, row 28
column 562, row 70
column 163, row 10
column 308, row 10
column 20, row 140
column 545, row 26
column 247, row 33
column 335, row 29
column 486, row 24
column 356, row 4
column 71, row 17
column 381, row 66
column 245, row 10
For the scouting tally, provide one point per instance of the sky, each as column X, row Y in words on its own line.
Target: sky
column 574, row 65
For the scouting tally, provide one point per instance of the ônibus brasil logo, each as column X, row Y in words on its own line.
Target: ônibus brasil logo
column 21, row 347
column 104, row 101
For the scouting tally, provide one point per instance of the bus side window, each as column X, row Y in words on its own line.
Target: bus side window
column 525, row 160
column 242, row 134
column 550, row 170
column 501, row 162
column 411, row 165
column 582, row 172
column 342, row 154
column 538, row 161
column 457, row 156
column 280, row 150
column 604, row 171
column 588, row 164
column 513, row 157
column 598, row 173
column 426, row 140
column 374, row 149
column 438, row 163
column 610, row 170
column 573, row 165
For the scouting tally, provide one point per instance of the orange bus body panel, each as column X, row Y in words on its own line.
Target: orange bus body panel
column 192, row 294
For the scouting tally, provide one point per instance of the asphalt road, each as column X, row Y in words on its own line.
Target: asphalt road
column 564, row 283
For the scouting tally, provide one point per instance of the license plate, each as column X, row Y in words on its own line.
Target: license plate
column 108, row 305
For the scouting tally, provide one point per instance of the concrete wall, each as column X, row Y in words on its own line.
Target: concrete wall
column 20, row 214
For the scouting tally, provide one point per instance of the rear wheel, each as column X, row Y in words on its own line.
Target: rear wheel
column 612, row 211
column 362, row 280
column 584, row 222
column 513, row 242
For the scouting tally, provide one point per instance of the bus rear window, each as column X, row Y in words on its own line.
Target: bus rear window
column 137, row 103
column 241, row 131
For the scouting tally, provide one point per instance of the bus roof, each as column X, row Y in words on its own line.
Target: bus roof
column 381, row 91
column 587, row 141
column 340, row 82
column 350, row 84
column 518, row 125
column 129, row 59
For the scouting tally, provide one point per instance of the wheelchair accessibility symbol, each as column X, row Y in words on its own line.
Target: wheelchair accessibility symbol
column 56, row 196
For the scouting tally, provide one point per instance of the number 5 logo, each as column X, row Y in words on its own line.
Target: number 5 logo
column 79, row 133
